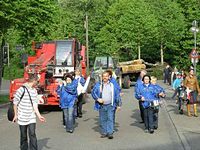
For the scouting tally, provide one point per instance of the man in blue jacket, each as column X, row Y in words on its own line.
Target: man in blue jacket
column 106, row 96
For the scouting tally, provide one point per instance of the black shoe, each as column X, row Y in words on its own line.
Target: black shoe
column 70, row 131
column 80, row 116
column 141, row 121
column 155, row 127
column 151, row 131
column 110, row 136
column 103, row 135
column 181, row 111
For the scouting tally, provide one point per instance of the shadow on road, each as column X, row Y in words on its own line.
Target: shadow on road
column 42, row 143
column 135, row 115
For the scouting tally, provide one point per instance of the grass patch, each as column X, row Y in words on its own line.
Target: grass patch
column 4, row 99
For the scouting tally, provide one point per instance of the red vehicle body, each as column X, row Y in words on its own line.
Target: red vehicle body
column 50, row 62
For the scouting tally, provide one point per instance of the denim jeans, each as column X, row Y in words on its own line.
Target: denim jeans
column 148, row 118
column 32, row 137
column 106, row 114
column 69, row 118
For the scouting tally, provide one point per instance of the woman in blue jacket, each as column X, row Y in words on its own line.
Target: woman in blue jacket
column 147, row 93
column 68, row 96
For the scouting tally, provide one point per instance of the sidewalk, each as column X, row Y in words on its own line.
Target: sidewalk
column 187, row 127
column 4, row 89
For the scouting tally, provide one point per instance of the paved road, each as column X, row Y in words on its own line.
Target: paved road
column 4, row 88
column 129, row 136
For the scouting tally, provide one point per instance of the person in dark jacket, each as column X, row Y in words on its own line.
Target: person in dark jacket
column 68, row 95
column 167, row 74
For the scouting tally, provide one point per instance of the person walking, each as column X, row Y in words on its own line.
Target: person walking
column 106, row 96
column 167, row 74
column 161, row 91
column 68, row 96
column 192, row 88
column 114, row 81
column 147, row 93
column 139, row 82
column 25, row 111
column 81, row 82
column 181, row 93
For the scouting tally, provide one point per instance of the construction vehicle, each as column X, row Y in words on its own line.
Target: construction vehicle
column 51, row 61
column 101, row 64
column 130, row 71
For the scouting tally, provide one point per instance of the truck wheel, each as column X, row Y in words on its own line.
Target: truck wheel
column 126, row 83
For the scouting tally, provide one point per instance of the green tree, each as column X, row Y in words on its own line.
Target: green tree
column 131, row 24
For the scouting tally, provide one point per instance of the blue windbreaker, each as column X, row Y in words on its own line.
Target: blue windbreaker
column 158, row 89
column 148, row 92
column 116, row 101
column 68, row 95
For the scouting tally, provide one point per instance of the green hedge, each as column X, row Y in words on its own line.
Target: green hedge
column 12, row 72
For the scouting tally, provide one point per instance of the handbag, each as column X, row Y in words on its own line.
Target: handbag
column 154, row 104
column 10, row 112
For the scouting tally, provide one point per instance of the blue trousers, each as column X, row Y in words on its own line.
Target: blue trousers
column 69, row 118
column 106, row 119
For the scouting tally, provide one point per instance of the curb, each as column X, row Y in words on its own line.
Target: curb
column 182, row 138
column 4, row 105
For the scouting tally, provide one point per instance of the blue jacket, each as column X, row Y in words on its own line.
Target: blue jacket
column 114, row 81
column 96, row 94
column 158, row 89
column 176, row 83
column 148, row 92
column 81, row 80
column 68, row 95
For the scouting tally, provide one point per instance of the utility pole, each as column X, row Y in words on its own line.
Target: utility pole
column 1, row 60
column 87, row 47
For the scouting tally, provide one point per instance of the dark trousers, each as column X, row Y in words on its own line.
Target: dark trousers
column 155, row 117
column 180, row 103
column 80, row 105
column 141, row 110
column 148, row 118
column 32, row 137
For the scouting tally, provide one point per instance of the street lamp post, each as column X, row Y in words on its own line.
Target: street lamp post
column 195, row 29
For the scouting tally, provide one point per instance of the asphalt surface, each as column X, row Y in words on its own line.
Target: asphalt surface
column 175, row 132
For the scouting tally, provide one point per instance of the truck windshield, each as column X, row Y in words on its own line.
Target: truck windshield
column 64, row 53
column 104, row 62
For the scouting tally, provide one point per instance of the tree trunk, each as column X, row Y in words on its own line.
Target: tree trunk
column 139, row 52
column 161, row 54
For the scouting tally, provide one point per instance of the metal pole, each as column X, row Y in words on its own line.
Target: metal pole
column 195, row 50
column 87, row 47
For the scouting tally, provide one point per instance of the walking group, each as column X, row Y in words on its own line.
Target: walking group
column 148, row 93
column 107, row 100
column 186, row 90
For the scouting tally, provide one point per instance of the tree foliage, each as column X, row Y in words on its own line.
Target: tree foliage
column 116, row 27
